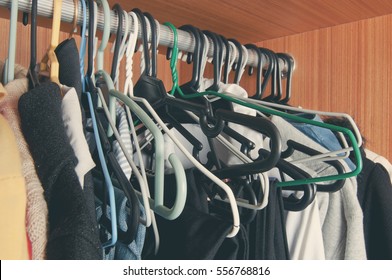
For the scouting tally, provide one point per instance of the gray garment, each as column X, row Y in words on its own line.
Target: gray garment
column 121, row 251
column 340, row 213
column 124, row 131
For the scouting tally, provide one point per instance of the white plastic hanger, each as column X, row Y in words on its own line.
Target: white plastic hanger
column 158, row 203
column 327, row 156
column 262, row 176
column 198, row 165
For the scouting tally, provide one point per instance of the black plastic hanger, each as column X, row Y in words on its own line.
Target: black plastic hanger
column 278, row 80
column 290, row 65
column 32, row 74
column 217, row 58
column 117, row 44
column 269, row 74
column 124, row 184
column 153, row 90
column 259, row 74
column 262, row 164
column 226, row 59
column 90, row 51
column 237, row 65
column 309, row 191
column 333, row 187
column 195, row 58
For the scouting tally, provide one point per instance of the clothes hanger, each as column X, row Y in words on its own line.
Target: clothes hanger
column 195, row 58
column 152, row 88
column 32, row 74
column 89, row 86
column 128, row 90
column 75, row 19
column 122, row 48
column 289, row 74
column 50, row 56
column 226, row 60
column 259, row 68
column 9, row 67
column 118, row 41
column 358, row 136
column 158, row 203
column 278, row 80
column 332, row 187
column 213, row 130
column 216, row 61
column 82, row 48
column 112, row 102
column 269, row 74
column 195, row 162
column 237, row 65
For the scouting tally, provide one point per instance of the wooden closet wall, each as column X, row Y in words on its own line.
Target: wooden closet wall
column 345, row 68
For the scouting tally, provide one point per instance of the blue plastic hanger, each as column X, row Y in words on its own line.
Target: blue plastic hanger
column 87, row 80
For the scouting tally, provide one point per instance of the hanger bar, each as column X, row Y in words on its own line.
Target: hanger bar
column 185, row 40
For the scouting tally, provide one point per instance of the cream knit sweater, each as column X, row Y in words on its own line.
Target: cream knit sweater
column 37, row 211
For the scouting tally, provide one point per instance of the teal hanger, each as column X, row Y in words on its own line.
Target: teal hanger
column 100, row 57
column 105, row 170
column 357, row 154
column 9, row 69
column 158, row 203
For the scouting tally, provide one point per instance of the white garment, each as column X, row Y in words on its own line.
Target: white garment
column 72, row 117
column 340, row 213
column 304, row 235
column 303, row 228
column 381, row 160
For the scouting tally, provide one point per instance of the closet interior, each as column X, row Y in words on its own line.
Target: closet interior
column 196, row 130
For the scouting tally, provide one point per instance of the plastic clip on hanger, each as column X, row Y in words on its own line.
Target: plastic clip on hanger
column 10, row 61
column 50, row 55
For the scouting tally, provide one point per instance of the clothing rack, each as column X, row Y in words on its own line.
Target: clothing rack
column 185, row 39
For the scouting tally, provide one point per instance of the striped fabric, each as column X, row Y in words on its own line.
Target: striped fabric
column 123, row 129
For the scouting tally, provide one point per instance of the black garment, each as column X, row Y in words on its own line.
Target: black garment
column 267, row 235
column 72, row 234
column 69, row 66
column 69, row 74
column 195, row 234
column 375, row 197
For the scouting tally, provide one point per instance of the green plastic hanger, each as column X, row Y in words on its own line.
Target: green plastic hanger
column 357, row 154
column 181, row 185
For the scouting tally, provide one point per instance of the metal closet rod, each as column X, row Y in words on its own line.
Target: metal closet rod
column 185, row 39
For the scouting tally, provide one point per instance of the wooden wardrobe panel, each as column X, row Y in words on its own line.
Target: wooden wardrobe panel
column 346, row 68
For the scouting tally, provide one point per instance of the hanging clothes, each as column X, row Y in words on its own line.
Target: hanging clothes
column 37, row 210
column 340, row 213
column 72, row 233
column 13, row 238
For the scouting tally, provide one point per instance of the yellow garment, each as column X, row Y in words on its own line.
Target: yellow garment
column 13, row 241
